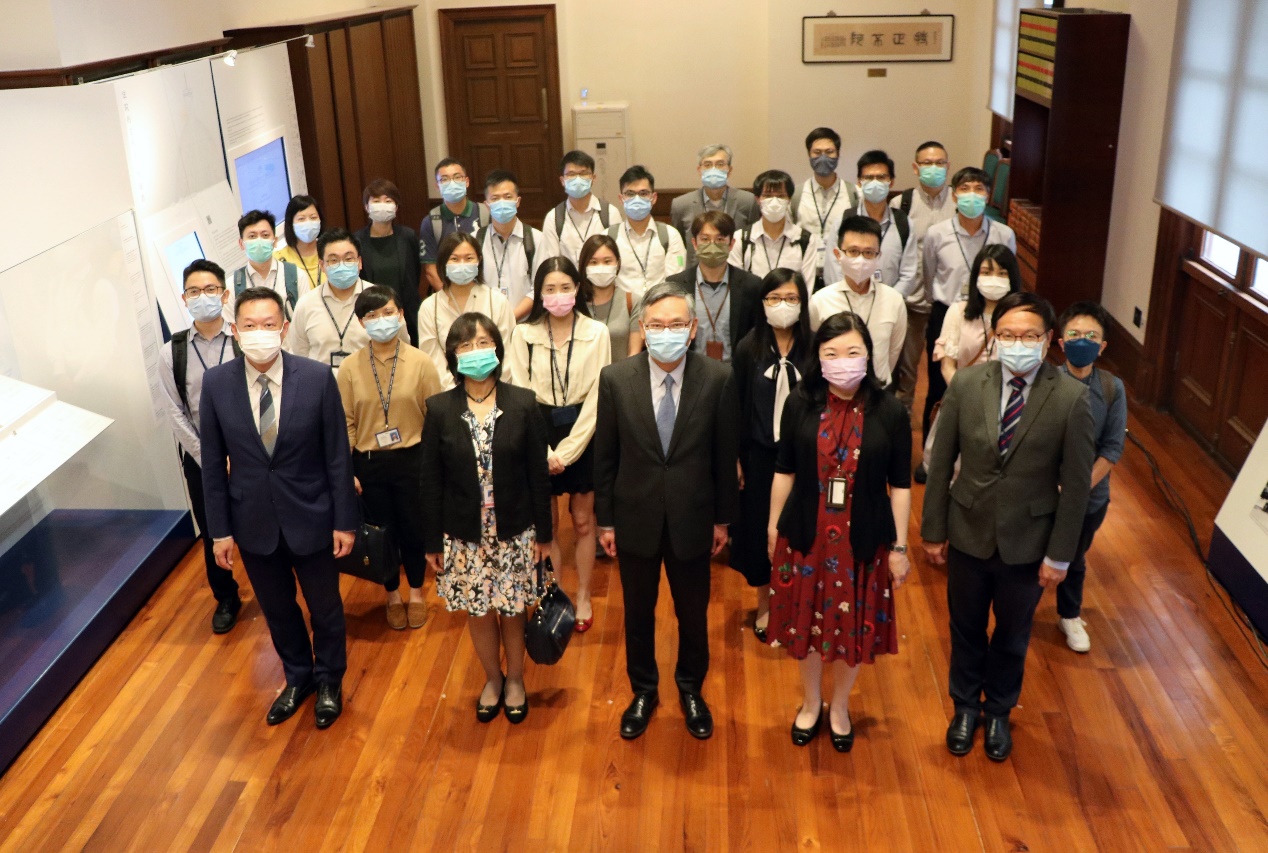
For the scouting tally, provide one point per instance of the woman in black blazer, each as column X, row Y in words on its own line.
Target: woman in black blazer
column 486, row 505
column 389, row 251
column 837, row 531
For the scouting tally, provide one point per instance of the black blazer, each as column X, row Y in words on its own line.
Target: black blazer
column 884, row 458
column 638, row 488
column 411, row 275
column 451, row 480
column 745, row 359
column 744, row 299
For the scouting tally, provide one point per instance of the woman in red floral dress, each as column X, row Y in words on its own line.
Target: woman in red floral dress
column 838, row 526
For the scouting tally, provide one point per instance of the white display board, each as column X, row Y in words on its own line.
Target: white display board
column 1242, row 517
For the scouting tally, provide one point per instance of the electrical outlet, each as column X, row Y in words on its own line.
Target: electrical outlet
column 1137, row 318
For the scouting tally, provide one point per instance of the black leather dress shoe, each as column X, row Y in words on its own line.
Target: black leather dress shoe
column 636, row 717
column 699, row 719
column 226, row 616
column 800, row 736
column 329, row 704
column 842, row 743
column 999, row 738
column 288, row 702
column 960, row 732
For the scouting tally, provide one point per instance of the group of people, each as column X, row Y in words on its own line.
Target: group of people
column 739, row 379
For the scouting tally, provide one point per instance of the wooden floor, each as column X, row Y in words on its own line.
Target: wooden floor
column 1157, row 739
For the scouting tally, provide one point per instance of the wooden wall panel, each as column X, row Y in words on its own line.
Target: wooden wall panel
column 346, row 130
column 320, row 137
column 412, row 169
column 373, row 114
column 1201, row 353
column 1247, row 408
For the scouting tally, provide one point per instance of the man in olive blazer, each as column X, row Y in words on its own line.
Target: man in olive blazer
column 1012, row 516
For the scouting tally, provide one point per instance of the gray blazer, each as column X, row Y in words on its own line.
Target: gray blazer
column 741, row 205
column 1029, row 504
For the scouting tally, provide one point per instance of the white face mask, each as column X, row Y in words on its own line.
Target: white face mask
column 783, row 315
column 859, row 270
column 994, row 287
column 382, row 211
column 601, row 276
column 774, row 209
column 260, row 345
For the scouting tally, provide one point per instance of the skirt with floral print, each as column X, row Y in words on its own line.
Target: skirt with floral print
column 489, row 575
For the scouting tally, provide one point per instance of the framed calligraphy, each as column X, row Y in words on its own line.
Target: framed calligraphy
column 877, row 38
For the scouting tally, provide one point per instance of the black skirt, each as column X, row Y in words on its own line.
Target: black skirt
column 748, row 538
column 577, row 478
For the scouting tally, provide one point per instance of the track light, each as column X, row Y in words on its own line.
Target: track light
column 310, row 43
column 231, row 58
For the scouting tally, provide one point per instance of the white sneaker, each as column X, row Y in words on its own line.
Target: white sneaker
column 1075, row 634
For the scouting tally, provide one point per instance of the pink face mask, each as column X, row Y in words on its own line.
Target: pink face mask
column 845, row 373
column 559, row 304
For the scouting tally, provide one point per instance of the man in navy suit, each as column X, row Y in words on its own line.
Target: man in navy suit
column 287, row 500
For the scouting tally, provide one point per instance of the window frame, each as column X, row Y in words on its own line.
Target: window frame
column 1243, row 280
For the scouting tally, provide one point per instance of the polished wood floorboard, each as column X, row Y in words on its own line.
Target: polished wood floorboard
column 1156, row 740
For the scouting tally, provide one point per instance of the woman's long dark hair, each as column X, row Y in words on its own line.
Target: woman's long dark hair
column 813, row 387
column 1002, row 255
column 293, row 207
column 589, row 249
column 765, row 335
column 548, row 266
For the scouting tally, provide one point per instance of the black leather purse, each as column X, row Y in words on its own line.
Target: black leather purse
column 550, row 628
column 374, row 555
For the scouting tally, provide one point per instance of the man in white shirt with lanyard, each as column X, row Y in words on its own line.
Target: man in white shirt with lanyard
column 509, row 246
column 878, row 305
column 570, row 223
column 714, row 163
column 256, row 237
column 776, row 241
column 650, row 251
column 182, row 381
column 949, row 250
column 325, row 328
column 925, row 205
column 823, row 200
column 900, row 261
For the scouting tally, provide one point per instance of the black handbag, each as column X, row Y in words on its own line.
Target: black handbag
column 374, row 556
column 550, row 628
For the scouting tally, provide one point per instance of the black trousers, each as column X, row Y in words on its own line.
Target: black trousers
column 980, row 665
column 937, row 385
column 689, row 582
column 221, row 581
column 391, row 489
column 1070, row 590
column 324, row 658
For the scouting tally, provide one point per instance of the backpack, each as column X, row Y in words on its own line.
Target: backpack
column 180, row 362
column 794, row 204
column 529, row 248
column 746, row 246
column 561, row 213
column 1109, row 390
column 902, row 223
column 290, row 278
column 905, row 197
column 438, row 223
column 662, row 232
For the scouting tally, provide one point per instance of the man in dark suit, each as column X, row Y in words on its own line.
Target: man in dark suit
column 725, row 295
column 1024, row 436
column 714, row 165
column 288, row 501
column 666, row 443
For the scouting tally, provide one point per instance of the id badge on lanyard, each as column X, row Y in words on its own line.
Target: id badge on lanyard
column 838, row 489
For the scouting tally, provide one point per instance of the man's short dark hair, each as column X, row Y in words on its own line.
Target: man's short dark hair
column 465, row 328
column 719, row 219
column 932, row 143
column 637, row 173
column 501, row 176
column 378, row 187
column 576, row 158
column 773, row 178
column 255, row 294
column 823, row 133
column 448, row 161
column 970, row 174
column 874, row 158
column 254, row 217
column 1025, row 301
column 336, row 235
column 1087, row 308
column 373, row 298
column 202, row 265
column 860, row 225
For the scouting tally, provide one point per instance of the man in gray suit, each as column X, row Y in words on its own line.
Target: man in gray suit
column 666, row 442
column 1023, row 433
column 714, row 166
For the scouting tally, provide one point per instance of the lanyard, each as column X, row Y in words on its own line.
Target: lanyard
column 968, row 266
column 647, row 256
column 840, row 442
column 580, row 236
column 766, row 249
column 194, row 346
column 554, row 362
column 335, row 322
column 726, row 294
column 868, row 319
column 823, row 216
column 889, row 219
column 506, row 247
column 314, row 277
column 385, row 402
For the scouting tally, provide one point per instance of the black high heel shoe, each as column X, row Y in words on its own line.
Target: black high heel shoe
column 800, row 736
column 487, row 713
column 845, row 742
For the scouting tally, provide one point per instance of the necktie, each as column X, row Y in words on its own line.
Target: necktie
column 268, row 415
column 665, row 414
column 1012, row 413
column 783, row 373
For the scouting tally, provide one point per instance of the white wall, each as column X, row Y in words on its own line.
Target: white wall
column 92, row 30
column 28, row 38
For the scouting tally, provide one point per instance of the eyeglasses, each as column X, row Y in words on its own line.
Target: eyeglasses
column 1073, row 335
column 451, row 179
column 714, row 164
column 209, row 290
column 660, row 327
column 716, row 241
column 1030, row 339
column 628, row 194
column 931, row 162
column 854, row 252
column 479, row 343
column 772, row 299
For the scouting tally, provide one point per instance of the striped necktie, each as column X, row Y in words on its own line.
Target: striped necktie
column 268, row 415
column 1012, row 413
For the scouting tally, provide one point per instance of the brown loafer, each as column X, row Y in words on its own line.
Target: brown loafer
column 396, row 616
column 417, row 614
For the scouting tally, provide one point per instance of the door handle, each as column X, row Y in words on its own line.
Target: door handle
column 545, row 111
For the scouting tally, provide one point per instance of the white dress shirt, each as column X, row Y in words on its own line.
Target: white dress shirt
column 948, row 252
column 765, row 254
column 821, row 210
column 438, row 312
column 274, row 373
column 899, row 264
column 644, row 262
column 577, row 229
column 507, row 266
column 658, row 385
column 926, row 211
column 883, row 312
column 209, row 351
column 325, row 324
column 274, row 280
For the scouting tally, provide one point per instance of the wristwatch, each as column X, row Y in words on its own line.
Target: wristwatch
column 898, row 549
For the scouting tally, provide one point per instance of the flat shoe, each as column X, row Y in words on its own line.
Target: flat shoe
column 486, row 713
column 842, row 743
column 396, row 616
column 800, row 736
column 417, row 611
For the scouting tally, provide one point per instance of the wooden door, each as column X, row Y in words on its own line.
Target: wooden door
column 1200, row 356
column 501, row 78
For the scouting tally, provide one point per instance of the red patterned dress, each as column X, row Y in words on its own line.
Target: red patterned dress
column 827, row 601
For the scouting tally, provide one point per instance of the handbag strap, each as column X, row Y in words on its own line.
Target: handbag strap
column 545, row 569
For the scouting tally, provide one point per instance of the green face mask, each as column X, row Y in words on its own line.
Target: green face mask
column 712, row 255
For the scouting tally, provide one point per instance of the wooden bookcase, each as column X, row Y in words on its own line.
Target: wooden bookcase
column 1069, row 95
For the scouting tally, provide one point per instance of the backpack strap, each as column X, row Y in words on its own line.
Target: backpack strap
column 803, row 242
column 482, row 214
column 437, row 224
column 180, row 364
column 746, row 249
column 290, row 277
column 603, row 213
column 530, row 362
column 239, row 282
column 906, row 196
column 561, row 210
column 662, row 232
column 1109, row 390
column 795, row 203
column 903, row 224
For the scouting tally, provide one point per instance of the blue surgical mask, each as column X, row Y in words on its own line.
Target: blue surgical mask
column 875, row 191
column 461, row 273
column 823, row 165
column 933, row 176
column 638, row 208
column 383, row 329
column 478, row 363
column 714, row 179
column 259, row 250
column 453, row 191
column 1020, row 358
column 308, row 230
column 668, row 345
column 1081, row 352
column 577, row 186
column 971, row 205
column 343, row 275
column 205, row 308
column 503, row 211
